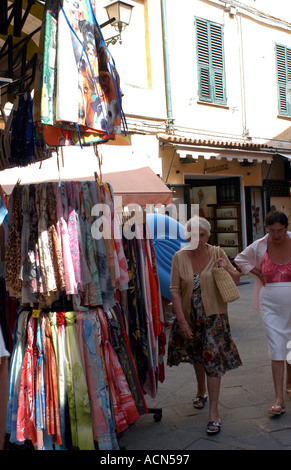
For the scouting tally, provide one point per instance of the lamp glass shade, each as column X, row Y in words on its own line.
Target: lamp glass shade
column 119, row 10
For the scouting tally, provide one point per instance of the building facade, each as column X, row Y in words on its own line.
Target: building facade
column 207, row 84
column 230, row 138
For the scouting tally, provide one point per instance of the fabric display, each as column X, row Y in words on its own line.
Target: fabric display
column 19, row 143
column 77, row 93
column 89, row 336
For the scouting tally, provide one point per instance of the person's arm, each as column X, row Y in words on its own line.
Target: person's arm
column 183, row 324
column 258, row 273
column 247, row 259
column 224, row 262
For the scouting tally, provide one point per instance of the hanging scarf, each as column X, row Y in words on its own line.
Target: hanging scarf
column 124, row 408
column 78, row 399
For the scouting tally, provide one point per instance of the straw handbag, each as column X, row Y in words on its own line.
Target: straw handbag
column 224, row 282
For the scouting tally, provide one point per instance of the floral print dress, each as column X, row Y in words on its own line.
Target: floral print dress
column 212, row 344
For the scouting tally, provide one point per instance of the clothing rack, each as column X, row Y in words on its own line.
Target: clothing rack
column 73, row 206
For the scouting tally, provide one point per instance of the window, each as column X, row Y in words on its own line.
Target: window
column 283, row 63
column 210, row 56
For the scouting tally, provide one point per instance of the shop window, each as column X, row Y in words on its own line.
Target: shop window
column 283, row 65
column 277, row 188
column 228, row 190
column 210, row 58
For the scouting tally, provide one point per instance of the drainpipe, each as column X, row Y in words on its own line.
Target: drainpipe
column 170, row 120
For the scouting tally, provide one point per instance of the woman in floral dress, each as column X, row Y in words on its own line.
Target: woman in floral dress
column 200, row 334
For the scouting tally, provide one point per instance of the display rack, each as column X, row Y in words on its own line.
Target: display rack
column 226, row 231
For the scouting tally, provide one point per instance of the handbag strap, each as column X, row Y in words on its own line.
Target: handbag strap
column 216, row 252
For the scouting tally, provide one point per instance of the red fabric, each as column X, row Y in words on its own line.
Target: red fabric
column 52, row 402
column 25, row 427
column 124, row 409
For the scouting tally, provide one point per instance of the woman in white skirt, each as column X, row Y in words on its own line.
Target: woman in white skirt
column 269, row 258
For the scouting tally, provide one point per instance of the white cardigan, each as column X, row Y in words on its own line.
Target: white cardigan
column 251, row 258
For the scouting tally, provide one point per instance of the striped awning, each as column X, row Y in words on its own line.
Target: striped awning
column 207, row 148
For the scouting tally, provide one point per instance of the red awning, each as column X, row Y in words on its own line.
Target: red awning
column 141, row 186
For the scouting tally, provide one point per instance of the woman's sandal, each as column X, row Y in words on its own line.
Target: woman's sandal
column 199, row 402
column 213, row 427
column 276, row 410
column 288, row 391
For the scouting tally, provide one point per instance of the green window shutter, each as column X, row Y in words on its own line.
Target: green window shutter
column 210, row 57
column 283, row 63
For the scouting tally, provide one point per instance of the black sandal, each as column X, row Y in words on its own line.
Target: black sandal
column 199, row 402
column 213, row 427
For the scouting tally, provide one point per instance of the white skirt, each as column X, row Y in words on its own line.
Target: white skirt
column 275, row 305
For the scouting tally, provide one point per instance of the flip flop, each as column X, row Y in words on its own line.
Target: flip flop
column 213, row 427
column 276, row 410
column 199, row 402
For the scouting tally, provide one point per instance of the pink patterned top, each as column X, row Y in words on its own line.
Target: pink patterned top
column 273, row 272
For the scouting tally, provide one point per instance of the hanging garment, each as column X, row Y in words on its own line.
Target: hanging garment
column 73, row 235
column 34, row 271
column 13, row 245
column 26, row 425
column 54, row 240
column 79, row 83
column 103, row 433
column 149, row 385
column 45, row 260
column 78, row 399
column 40, row 408
column 15, row 374
column 18, row 147
column 125, row 411
column 92, row 338
column 22, row 134
column 62, row 383
column 136, row 319
column 62, row 230
column 105, row 280
column 52, row 401
column 122, row 349
column 95, row 294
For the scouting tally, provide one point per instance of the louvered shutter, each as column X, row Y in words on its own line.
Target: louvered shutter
column 203, row 55
column 283, row 62
column 210, row 58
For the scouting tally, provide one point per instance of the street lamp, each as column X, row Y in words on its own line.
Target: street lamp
column 119, row 15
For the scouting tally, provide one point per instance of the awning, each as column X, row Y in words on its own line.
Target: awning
column 140, row 186
column 285, row 155
column 207, row 148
